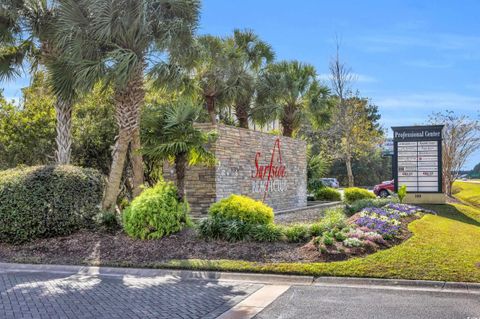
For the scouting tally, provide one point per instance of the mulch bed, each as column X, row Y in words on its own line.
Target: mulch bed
column 95, row 248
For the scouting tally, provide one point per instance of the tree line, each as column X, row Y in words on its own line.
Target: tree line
column 126, row 80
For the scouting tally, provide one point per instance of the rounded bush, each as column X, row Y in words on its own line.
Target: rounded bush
column 155, row 213
column 242, row 208
column 47, row 201
column 328, row 194
column 354, row 193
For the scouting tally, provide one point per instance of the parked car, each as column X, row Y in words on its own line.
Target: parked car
column 330, row 182
column 384, row 189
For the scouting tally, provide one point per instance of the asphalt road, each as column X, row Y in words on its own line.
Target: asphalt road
column 335, row 302
column 47, row 292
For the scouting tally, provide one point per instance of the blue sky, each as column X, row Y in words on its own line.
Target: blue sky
column 411, row 57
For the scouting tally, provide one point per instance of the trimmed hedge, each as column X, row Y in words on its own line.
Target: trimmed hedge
column 354, row 193
column 156, row 213
column 243, row 209
column 328, row 194
column 47, row 201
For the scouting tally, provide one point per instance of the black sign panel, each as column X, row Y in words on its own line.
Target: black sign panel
column 418, row 158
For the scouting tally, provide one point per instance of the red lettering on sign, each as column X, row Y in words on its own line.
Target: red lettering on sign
column 274, row 170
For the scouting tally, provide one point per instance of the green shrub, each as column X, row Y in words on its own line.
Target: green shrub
column 235, row 230
column 211, row 228
column 328, row 194
column 402, row 192
column 328, row 240
column 266, row 233
column 360, row 204
column 296, row 233
column 316, row 229
column 334, row 219
column 218, row 228
column 340, row 236
column 47, row 201
column 354, row 193
column 242, row 208
column 155, row 213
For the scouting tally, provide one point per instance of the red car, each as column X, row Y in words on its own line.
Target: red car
column 384, row 189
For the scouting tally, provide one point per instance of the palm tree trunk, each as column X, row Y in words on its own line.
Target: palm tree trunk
column 180, row 166
column 63, row 110
column 210, row 101
column 116, row 170
column 287, row 128
column 241, row 112
column 128, row 102
column 137, row 163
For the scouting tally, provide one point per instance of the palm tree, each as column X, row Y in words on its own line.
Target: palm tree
column 169, row 133
column 288, row 91
column 115, row 40
column 207, row 72
column 27, row 35
column 255, row 54
column 211, row 71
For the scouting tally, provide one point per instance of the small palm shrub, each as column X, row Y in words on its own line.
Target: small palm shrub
column 328, row 194
column 242, row 208
column 402, row 192
column 156, row 213
column 354, row 193
column 47, row 201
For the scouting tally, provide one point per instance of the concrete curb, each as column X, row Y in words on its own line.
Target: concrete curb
column 378, row 283
column 398, row 283
column 146, row 272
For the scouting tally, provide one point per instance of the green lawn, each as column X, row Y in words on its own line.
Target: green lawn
column 468, row 193
column 444, row 247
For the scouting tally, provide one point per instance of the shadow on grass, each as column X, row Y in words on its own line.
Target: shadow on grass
column 451, row 212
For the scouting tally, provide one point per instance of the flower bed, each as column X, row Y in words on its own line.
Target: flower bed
column 369, row 230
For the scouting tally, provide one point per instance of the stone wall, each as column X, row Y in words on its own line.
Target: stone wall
column 244, row 158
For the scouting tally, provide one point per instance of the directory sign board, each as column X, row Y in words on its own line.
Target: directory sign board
column 418, row 158
column 387, row 147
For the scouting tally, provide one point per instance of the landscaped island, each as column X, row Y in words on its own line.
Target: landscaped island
column 367, row 237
